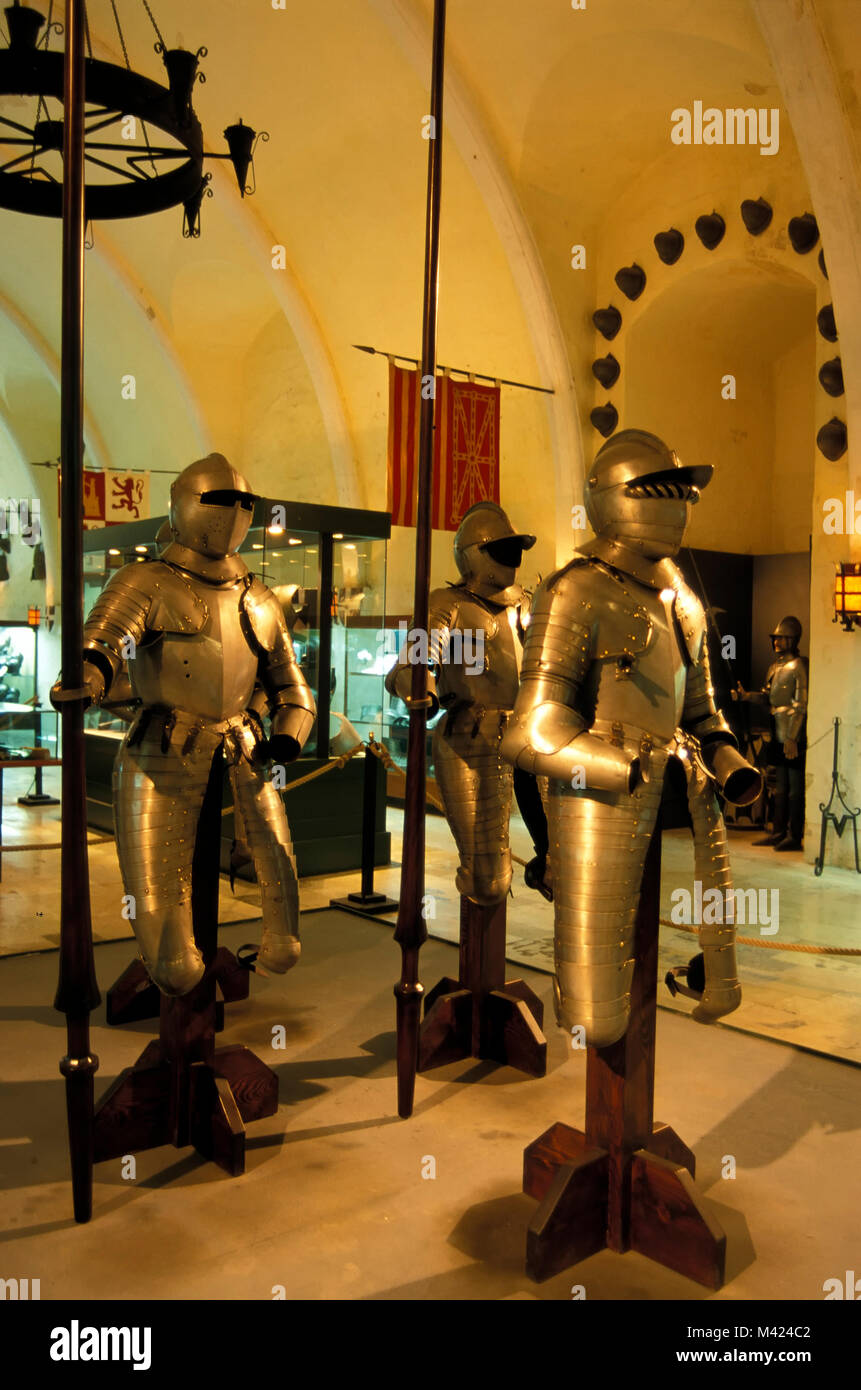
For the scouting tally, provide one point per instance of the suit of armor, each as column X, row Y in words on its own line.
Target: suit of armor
column 785, row 696
column 785, row 692
column 473, row 650
column 208, row 650
column 615, row 680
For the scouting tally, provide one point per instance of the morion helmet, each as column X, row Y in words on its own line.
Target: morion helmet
column 488, row 550
column 788, row 627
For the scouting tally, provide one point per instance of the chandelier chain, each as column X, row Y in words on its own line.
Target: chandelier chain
column 122, row 39
column 155, row 26
column 87, row 32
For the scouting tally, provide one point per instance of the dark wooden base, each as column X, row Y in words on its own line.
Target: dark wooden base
column 365, row 904
column 133, row 996
column 503, row 1025
column 154, row 1103
column 626, row 1183
column 665, row 1216
column 482, row 1014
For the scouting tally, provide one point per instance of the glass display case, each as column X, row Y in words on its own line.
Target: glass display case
column 396, row 719
column 24, row 724
column 327, row 567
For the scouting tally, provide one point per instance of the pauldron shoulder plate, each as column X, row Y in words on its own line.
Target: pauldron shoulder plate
column 264, row 615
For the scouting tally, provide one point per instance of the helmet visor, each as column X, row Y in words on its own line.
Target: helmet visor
column 227, row 497
column 508, row 551
column 681, row 483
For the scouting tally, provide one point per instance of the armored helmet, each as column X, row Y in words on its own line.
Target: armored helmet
column 639, row 493
column 211, row 507
column 788, row 627
column 488, row 550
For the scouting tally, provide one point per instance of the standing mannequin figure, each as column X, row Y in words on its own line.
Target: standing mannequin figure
column 615, row 681
column 208, row 651
column 785, row 696
column 473, row 648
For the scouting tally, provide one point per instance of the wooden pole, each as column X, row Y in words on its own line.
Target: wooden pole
column 411, row 931
column 77, row 991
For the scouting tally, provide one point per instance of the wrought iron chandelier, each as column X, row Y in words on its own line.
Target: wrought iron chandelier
column 143, row 144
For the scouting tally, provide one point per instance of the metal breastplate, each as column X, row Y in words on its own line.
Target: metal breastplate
column 210, row 673
column 784, row 697
column 486, row 671
column 638, row 674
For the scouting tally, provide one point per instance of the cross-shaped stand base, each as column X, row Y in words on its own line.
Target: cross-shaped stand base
column 181, row 1090
column 624, row 1183
column 481, row 1014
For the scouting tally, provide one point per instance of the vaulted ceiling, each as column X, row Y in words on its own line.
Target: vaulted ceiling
column 557, row 128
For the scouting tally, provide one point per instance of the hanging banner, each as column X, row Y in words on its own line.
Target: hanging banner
column 126, row 497
column 466, row 448
column 111, row 497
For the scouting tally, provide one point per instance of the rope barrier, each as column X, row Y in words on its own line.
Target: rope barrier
column 52, row 844
column 381, row 752
column 773, row 945
column 753, row 940
column 339, row 762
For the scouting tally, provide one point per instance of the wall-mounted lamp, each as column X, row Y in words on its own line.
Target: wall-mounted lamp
column 34, row 616
column 847, row 596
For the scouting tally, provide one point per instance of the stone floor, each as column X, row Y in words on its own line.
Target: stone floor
column 334, row 1204
column 30, row 889
column 809, row 1000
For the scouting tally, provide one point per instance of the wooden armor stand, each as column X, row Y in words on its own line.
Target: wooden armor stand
column 480, row 1014
column 133, row 997
column 626, row 1183
column 181, row 1090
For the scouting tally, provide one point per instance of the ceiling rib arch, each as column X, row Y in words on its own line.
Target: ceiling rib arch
column 43, row 351
column 410, row 28
column 293, row 302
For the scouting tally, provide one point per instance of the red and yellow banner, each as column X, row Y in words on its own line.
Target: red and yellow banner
column 112, row 497
column 466, row 448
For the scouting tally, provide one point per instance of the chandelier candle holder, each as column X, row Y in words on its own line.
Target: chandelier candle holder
column 143, row 143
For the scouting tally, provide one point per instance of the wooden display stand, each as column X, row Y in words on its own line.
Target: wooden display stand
column 133, row 997
column 182, row 1090
column 626, row 1183
column 481, row 1014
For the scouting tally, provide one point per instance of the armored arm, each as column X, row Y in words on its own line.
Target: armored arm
column 442, row 617
column 546, row 734
column 118, row 614
column 281, row 685
column 738, row 780
column 755, row 697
